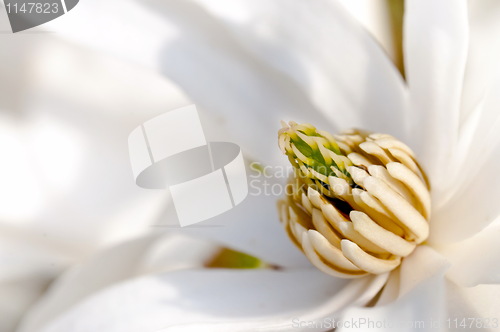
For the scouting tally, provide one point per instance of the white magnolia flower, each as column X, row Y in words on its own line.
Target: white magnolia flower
column 249, row 64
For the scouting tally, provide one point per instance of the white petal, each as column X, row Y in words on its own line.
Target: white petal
column 435, row 48
column 325, row 53
column 480, row 119
column 28, row 264
column 374, row 15
column 69, row 171
column 479, row 302
column 417, row 310
column 423, row 264
column 147, row 254
column 484, row 49
column 182, row 41
column 475, row 260
column 390, row 293
column 241, row 299
column 480, row 139
column 473, row 205
column 253, row 226
column 100, row 203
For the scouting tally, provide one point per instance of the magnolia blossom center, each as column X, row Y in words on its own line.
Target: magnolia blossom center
column 358, row 202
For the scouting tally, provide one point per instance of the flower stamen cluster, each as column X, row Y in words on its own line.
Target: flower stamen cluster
column 358, row 202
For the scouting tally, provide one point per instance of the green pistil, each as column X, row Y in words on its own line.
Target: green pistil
column 322, row 155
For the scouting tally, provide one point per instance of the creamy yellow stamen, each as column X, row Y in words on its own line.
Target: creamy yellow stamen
column 358, row 202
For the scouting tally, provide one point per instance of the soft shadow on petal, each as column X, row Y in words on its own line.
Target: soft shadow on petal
column 480, row 119
column 475, row 260
column 483, row 53
column 435, row 48
column 414, row 293
column 28, row 264
column 473, row 206
column 423, row 264
column 72, row 120
column 144, row 255
column 375, row 16
column 241, row 299
column 391, row 289
column 416, row 310
column 480, row 133
column 327, row 54
column 479, row 302
column 253, row 226
column 182, row 41
column 125, row 29
column 208, row 61
column 66, row 185
column 104, row 205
